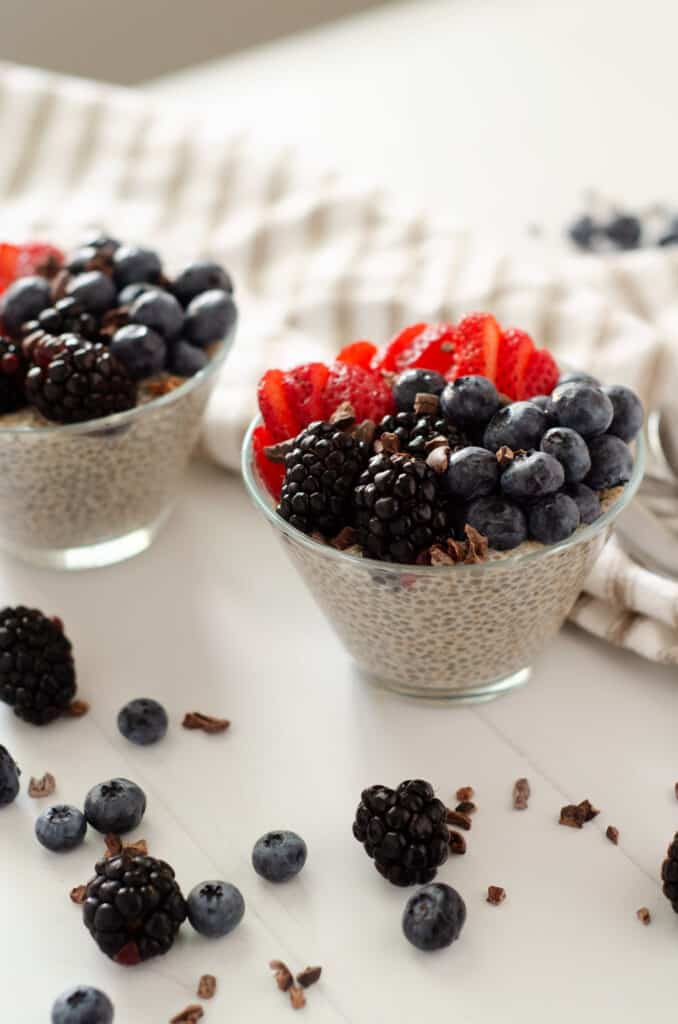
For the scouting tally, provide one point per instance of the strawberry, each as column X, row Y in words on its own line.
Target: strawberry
column 477, row 341
column 368, row 392
column 385, row 358
column 30, row 258
column 540, row 375
column 275, row 406
column 304, row 386
column 272, row 473
column 515, row 348
column 358, row 353
column 432, row 349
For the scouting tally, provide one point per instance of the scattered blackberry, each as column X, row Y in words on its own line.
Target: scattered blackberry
column 404, row 831
column 12, row 376
column 67, row 316
column 82, row 382
column 398, row 508
column 320, row 474
column 415, row 431
column 670, row 873
column 133, row 908
column 37, row 673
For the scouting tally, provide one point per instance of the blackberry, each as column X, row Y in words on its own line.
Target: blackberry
column 414, row 431
column 320, row 474
column 133, row 908
column 404, row 831
column 37, row 673
column 398, row 508
column 68, row 316
column 670, row 874
column 84, row 381
column 12, row 376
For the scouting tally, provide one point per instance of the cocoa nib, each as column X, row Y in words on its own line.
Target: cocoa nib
column 506, row 454
column 45, row 786
column 343, row 416
column 439, row 441
column 425, row 403
column 576, row 815
column 389, row 443
column 466, row 807
column 207, row 986
column 495, row 895
column 158, row 388
column 643, row 915
column 78, row 894
column 465, row 793
column 439, row 556
column 439, row 458
column 456, row 842
column 297, row 997
column 113, row 845
column 612, row 834
column 207, row 723
column 277, row 452
column 346, row 538
column 77, row 708
column 365, row 432
column 189, row 1015
column 476, row 545
column 283, row 975
column 521, row 794
column 459, row 820
column 309, row 976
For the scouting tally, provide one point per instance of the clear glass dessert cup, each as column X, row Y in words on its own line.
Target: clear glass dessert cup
column 84, row 495
column 462, row 632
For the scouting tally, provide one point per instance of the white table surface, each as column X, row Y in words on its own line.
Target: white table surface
column 213, row 619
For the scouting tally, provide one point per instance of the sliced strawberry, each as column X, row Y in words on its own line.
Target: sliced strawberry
column 304, row 387
column 9, row 257
column 431, row 349
column 515, row 348
column 272, row 473
column 358, row 353
column 540, row 375
column 385, row 358
column 478, row 337
column 275, row 407
column 368, row 392
column 39, row 258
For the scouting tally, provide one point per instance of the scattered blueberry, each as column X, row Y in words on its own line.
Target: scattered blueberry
column 554, row 518
column 141, row 350
column 570, row 449
column 61, row 828
column 278, row 856
column 519, row 425
column 143, row 721
column 532, row 476
column 434, row 917
column 200, row 276
column 628, row 412
column 23, row 300
column 578, row 376
column 584, row 231
column 502, row 522
column 82, row 1005
column 9, row 777
column 611, row 462
column 470, row 400
column 160, row 311
column 583, row 408
column 209, row 317
column 471, row 473
column 186, row 359
column 132, row 291
column 416, row 381
column 215, row 908
column 586, row 500
column 94, row 290
column 625, row 231
column 132, row 264
column 115, row 806
column 79, row 259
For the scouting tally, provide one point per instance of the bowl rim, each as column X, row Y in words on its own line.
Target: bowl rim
column 119, row 419
column 260, row 499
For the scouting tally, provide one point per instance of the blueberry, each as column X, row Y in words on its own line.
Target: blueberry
column 532, row 476
column 9, row 777
column 186, row 359
column 24, row 300
column 132, row 264
column 215, row 908
column 160, row 311
column 94, row 290
column 115, row 806
column 518, row 425
column 140, row 350
column 79, row 259
column 471, row 473
column 209, row 317
column 200, row 276
column 570, row 449
column 611, row 462
column 278, row 856
column 586, row 500
column 82, row 1005
column 502, row 522
column 132, row 291
column 143, row 721
column 61, row 828
column 415, row 381
column 470, row 400
column 584, row 231
column 670, row 238
column 578, row 376
column 434, row 917
column 628, row 412
column 625, row 231
column 583, row 408
column 554, row 518
column 543, row 402
column 100, row 240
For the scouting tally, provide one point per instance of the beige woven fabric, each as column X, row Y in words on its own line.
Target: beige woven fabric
column 320, row 260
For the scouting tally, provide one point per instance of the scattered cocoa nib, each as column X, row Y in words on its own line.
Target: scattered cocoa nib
column 58, row 284
column 643, row 915
column 465, row 793
column 297, row 997
column 45, row 786
column 207, row 986
column 425, row 404
column 309, row 976
column 439, row 458
column 158, row 388
column 283, row 975
column 365, row 432
column 612, row 834
column 113, row 845
column 456, row 842
column 77, row 708
column 189, row 1015
column 346, row 538
column 495, row 895
column 466, row 807
column 343, row 416
column 140, row 848
column 521, row 794
column 476, row 545
column 207, row 723
column 576, row 815
column 78, row 893
column 277, row 452
column 459, row 820
column 389, row 443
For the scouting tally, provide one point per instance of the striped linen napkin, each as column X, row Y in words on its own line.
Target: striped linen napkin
column 321, row 260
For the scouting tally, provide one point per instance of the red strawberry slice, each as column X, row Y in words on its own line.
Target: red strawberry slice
column 358, row 353
column 515, row 348
column 432, row 349
column 272, row 473
column 385, row 358
column 540, row 375
column 368, row 392
column 31, row 258
column 275, row 406
column 478, row 337
column 304, row 387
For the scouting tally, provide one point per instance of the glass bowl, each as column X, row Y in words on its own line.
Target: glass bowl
column 83, row 495
column 464, row 632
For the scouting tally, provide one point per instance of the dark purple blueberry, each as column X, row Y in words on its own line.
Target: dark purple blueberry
column 628, row 412
column 413, row 382
column 94, row 290
column 584, row 232
column 570, row 449
column 520, row 425
column 132, row 291
column 471, row 473
column 82, row 1005
column 578, row 376
column 209, row 317
column 215, row 908
column 100, row 240
column 61, row 828
column 583, row 408
column 186, row 360
column 611, row 462
column 115, row 806
column 24, row 300
column 79, row 259
column 625, row 230
column 543, row 402
column 160, row 311
column 143, row 721
column 132, row 263
column 434, row 917
column 532, row 476
column 279, row 856
column 9, row 778
column 500, row 520
column 553, row 519
column 141, row 351
column 587, row 501
column 201, row 276
column 470, row 401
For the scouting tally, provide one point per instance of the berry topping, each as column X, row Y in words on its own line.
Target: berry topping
column 413, row 382
column 143, row 721
column 275, row 407
column 470, row 401
column 140, row 350
column 82, row 1005
column 570, row 449
column 201, row 276
column 209, row 317
column 515, row 349
column 500, row 520
column 387, row 358
column 434, row 917
column 583, row 408
column 471, row 473
column 215, row 908
column 158, row 310
column 61, row 828
column 84, row 381
column 358, row 353
column 519, row 425
column 115, row 806
column 272, row 473
column 611, row 462
column 554, row 518
column 433, row 349
column 540, row 375
column 415, row 432
column 586, row 500
column 132, row 264
column 367, row 392
column 37, row 674
column 27, row 259
column 94, row 290
column 628, row 412
column 186, row 360
column 279, row 856
column 9, row 778
column 23, row 300
column 477, row 348
column 305, row 389
column 532, row 476
column 12, row 376
column 578, row 376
